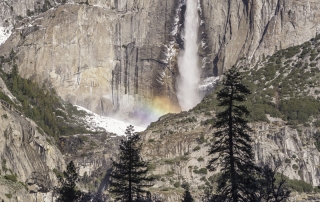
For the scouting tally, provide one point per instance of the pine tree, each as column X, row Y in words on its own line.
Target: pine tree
column 129, row 175
column 233, row 144
column 187, row 196
column 68, row 191
column 268, row 187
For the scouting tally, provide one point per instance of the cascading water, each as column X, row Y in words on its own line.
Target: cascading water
column 189, row 78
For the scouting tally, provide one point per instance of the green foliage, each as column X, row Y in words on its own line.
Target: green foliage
column 68, row 190
column 295, row 166
column 8, row 195
column 316, row 136
column 188, row 120
column 292, row 51
column 46, row 6
column 202, row 171
column 93, row 144
column 200, row 159
column 297, row 185
column 278, row 88
column 176, row 184
column 169, row 161
column 30, row 13
column 183, row 158
column 151, row 140
column 232, row 146
column 240, row 179
column 12, row 178
column 165, row 189
column 24, row 185
column 169, row 173
column 210, row 121
column 41, row 105
column 317, row 123
column 208, row 103
column 58, row 173
column 155, row 177
column 269, row 187
column 197, row 148
column 176, row 160
column 151, row 166
column 5, row 98
column 19, row 17
column 300, row 109
column 4, row 165
column 83, row 138
column 129, row 172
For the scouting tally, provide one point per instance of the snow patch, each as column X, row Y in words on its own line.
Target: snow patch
column 102, row 123
column 5, row 33
column 208, row 83
column 203, row 44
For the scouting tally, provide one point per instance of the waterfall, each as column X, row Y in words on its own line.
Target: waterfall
column 189, row 78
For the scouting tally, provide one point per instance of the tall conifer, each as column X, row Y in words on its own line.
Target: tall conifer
column 233, row 144
column 129, row 175
column 68, row 191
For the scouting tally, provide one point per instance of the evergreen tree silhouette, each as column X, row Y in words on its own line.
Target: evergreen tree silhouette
column 68, row 191
column 233, row 144
column 187, row 196
column 267, row 187
column 129, row 175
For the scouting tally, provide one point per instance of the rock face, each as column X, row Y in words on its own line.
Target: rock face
column 177, row 146
column 293, row 148
column 27, row 153
column 107, row 60
column 92, row 156
column 251, row 29
column 116, row 57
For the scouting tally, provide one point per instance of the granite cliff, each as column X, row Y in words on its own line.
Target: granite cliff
column 28, row 157
column 114, row 57
column 118, row 57
column 177, row 147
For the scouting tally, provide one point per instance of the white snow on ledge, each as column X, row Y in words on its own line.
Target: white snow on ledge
column 5, row 33
column 100, row 123
column 208, row 83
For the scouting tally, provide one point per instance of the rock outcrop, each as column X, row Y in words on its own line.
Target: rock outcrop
column 251, row 29
column 92, row 155
column 177, row 147
column 27, row 155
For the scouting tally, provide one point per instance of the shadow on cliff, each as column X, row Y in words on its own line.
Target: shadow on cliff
column 105, row 183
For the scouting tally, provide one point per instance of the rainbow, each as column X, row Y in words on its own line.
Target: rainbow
column 159, row 106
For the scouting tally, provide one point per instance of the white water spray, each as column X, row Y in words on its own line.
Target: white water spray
column 188, row 81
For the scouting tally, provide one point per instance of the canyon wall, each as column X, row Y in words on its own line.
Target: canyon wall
column 116, row 57
column 28, row 154
column 249, row 29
